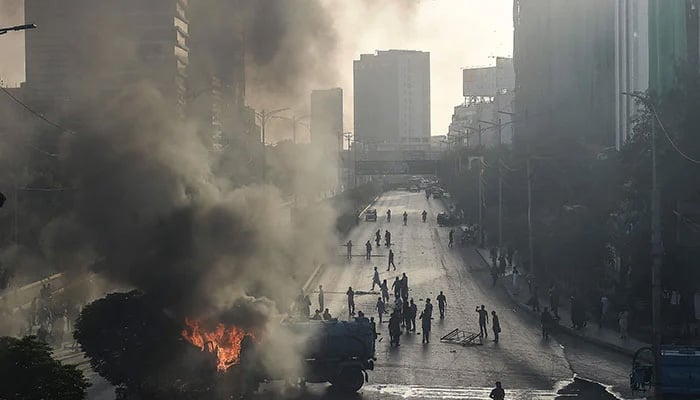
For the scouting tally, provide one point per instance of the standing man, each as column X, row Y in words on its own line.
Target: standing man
column 368, row 250
column 385, row 291
column 388, row 215
column 604, row 306
column 378, row 237
column 425, row 215
column 397, row 288
column 375, row 279
column 498, row 393
column 381, row 308
column 404, row 287
column 387, row 238
column 425, row 317
column 413, row 312
column 320, row 297
column 516, row 281
column 406, row 313
column 451, row 237
column 495, row 325
column 554, row 300
column 405, row 217
column 391, row 260
column 483, row 321
column 546, row 320
column 442, row 302
column 351, row 301
column 349, row 247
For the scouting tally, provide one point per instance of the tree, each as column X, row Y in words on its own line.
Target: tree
column 30, row 373
column 133, row 343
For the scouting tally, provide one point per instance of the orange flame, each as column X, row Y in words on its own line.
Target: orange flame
column 224, row 341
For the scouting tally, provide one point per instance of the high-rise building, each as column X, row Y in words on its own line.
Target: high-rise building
column 89, row 49
column 216, row 73
column 392, row 99
column 564, row 60
column 631, row 62
column 327, row 119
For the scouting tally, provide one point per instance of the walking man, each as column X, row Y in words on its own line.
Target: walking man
column 375, row 279
column 405, row 217
column 378, row 237
column 351, row 301
column 451, row 238
column 349, row 247
column 381, row 308
column 368, row 250
column 406, row 313
column 442, row 302
column 498, row 393
column 391, row 260
column 483, row 321
column 495, row 325
column 425, row 317
column 425, row 215
column 387, row 238
column 320, row 297
column 388, row 215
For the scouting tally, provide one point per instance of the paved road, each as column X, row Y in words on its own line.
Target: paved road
column 528, row 366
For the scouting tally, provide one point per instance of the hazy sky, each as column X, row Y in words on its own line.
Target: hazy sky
column 457, row 33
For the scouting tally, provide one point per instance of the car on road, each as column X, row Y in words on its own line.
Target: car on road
column 371, row 215
column 437, row 193
column 413, row 189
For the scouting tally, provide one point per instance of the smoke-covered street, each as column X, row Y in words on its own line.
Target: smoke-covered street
column 521, row 359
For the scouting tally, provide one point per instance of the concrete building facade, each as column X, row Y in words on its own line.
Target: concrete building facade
column 89, row 49
column 631, row 62
column 392, row 99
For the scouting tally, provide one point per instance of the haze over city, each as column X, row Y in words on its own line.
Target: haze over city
column 358, row 199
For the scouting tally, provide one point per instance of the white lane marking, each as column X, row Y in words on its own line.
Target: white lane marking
column 445, row 392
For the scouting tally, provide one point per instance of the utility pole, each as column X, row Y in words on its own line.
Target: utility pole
column 657, row 261
column 479, row 135
column 481, row 201
column 529, row 216
column 500, row 189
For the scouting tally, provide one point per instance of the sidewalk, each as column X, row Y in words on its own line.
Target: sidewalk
column 604, row 337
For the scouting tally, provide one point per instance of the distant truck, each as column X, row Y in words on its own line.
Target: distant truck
column 338, row 352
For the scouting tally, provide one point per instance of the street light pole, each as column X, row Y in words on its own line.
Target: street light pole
column 500, row 183
column 657, row 251
column 529, row 217
column 264, row 118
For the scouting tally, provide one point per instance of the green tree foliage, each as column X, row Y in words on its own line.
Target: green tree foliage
column 30, row 373
column 137, row 347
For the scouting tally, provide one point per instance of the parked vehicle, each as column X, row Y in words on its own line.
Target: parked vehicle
column 447, row 219
column 371, row 215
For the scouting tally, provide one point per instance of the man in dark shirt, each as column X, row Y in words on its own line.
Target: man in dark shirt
column 351, row 301
column 442, row 301
column 498, row 393
column 483, row 321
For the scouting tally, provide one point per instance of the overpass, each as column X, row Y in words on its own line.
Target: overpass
column 395, row 162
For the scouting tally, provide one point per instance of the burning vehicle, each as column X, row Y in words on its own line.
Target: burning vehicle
column 337, row 352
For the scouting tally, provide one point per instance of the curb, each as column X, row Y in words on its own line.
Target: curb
column 565, row 329
column 314, row 275
column 371, row 203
